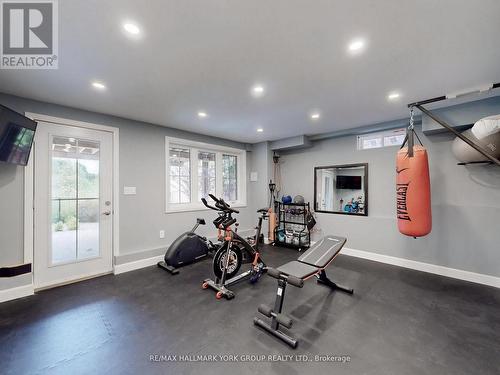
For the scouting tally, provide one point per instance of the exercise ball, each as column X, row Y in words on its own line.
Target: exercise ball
column 286, row 199
column 486, row 133
column 299, row 199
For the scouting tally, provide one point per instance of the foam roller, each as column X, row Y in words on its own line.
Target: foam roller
column 284, row 320
column 295, row 281
column 273, row 272
column 265, row 310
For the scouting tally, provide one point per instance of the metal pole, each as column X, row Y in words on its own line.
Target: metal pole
column 444, row 97
column 427, row 101
column 475, row 146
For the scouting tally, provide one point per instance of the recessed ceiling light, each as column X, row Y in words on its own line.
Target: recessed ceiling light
column 258, row 90
column 98, row 85
column 315, row 115
column 260, row 130
column 131, row 28
column 356, row 45
column 202, row 114
column 393, row 96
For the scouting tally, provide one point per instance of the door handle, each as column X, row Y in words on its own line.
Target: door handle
column 107, row 213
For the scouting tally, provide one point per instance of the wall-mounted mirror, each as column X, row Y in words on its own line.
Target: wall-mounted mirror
column 341, row 189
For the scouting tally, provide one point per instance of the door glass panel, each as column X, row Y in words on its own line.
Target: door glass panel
column 75, row 200
column 88, row 228
column 63, row 230
column 64, row 168
column 88, row 169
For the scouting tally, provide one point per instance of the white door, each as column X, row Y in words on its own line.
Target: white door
column 73, row 206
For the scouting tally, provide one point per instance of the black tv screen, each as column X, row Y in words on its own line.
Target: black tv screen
column 16, row 136
column 349, row 182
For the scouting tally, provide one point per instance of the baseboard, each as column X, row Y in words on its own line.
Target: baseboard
column 426, row 267
column 131, row 266
column 141, row 263
column 68, row 280
column 17, row 292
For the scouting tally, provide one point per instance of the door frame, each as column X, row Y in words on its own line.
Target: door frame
column 29, row 185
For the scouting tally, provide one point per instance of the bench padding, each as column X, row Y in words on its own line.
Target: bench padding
column 323, row 251
column 314, row 259
column 297, row 269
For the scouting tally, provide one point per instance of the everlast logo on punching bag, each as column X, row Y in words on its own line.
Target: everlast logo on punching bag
column 401, row 195
column 413, row 206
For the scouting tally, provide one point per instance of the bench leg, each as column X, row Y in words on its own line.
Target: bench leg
column 276, row 332
column 275, row 314
column 323, row 279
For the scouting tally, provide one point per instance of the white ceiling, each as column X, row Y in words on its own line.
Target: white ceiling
column 206, row 54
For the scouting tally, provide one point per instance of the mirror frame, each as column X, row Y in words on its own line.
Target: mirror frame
column 365, row 165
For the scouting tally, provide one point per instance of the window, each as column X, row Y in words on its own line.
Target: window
column 180, row 175
column 229, row 177
column 371, row 142
column 394, row 139
column 383, row 139
column 195, row 170
column 206, row 174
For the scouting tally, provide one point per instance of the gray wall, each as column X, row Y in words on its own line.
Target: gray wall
column 260, row 162
column 142, row 164
column 465, row 200
column 465, row 204
column 11, row 214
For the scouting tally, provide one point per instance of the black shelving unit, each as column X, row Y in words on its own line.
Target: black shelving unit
column 292, row 230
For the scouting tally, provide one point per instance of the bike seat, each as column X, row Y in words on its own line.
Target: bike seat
column 262, row 210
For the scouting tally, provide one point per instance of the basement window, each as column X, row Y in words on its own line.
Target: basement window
column 195, row 169
column 381, row 139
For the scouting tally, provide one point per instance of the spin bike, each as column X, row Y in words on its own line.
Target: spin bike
column 234, row 251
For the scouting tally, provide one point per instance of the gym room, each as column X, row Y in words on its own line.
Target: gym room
column 276, row 187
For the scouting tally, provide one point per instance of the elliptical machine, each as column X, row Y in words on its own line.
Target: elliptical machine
column 188, row 248
column 234, row 251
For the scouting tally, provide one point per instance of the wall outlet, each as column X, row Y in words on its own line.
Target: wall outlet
column 162, row 234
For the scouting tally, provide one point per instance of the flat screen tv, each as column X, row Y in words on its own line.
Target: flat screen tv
column 349, row 182
column 16, row 136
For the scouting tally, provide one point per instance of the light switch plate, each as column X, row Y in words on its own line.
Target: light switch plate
column 254, row 177
column 129, row 190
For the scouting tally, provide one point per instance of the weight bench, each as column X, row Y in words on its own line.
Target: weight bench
column 312, row 263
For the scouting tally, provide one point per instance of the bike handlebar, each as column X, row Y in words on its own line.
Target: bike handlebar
column 220, row 204
column 204, row 201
